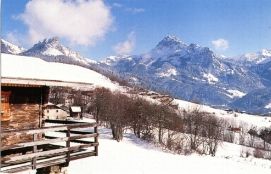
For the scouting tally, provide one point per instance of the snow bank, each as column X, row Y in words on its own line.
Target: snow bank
column 135, row 156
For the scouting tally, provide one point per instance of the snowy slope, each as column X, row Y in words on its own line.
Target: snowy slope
column 234, row 117
column 9, row 48
column 35, row 68
column 135, row 156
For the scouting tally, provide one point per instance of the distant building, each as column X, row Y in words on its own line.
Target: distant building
column 76, row 112
column 52, row 111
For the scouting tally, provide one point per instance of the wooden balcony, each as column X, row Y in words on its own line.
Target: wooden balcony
column 57, row 144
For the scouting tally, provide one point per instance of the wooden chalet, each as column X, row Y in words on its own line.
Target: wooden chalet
column 76, row 112
column 28, row 140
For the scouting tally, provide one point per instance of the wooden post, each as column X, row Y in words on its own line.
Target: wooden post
column 34, row 159
column 96, row 140
column 68, row 145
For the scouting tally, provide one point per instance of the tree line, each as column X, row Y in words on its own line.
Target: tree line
column 175, row 130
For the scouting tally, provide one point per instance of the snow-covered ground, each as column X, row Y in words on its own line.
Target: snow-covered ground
column 210, row 78
column 135, row 156
column 237, row 118
column 235, row 93
column 15, row 66
column 268, row 106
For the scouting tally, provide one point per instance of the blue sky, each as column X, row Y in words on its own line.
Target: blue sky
column 229, row 27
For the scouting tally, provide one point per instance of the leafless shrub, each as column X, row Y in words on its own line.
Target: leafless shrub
column 257, row 153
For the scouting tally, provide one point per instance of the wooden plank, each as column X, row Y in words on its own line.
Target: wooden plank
column 74, row 141
column 61, row 121
column 17, row 169
column 69, row 122
column 32, row 155
column 28, row 161
column 29, row 144
column 44, row 162
column 51, row 163
column 39, row 165
column 45, row 153
column 46, row 129
column 84, row 136
column 84, row 155
column 76, row 132
column 82, row 141
column 76, row 148
column 34, row 130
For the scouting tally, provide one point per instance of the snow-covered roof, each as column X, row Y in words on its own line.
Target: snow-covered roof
column 30, row 70
column 75, row 108
column 43, row 82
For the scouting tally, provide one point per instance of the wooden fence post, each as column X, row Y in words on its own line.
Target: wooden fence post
column 68, row 145
column 96, row 140
column 34, row 159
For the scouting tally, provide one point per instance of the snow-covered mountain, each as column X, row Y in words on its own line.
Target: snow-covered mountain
column 260, row 57
column 190, row 72
column 9, row 48
column 52, row 50
column 185, row 71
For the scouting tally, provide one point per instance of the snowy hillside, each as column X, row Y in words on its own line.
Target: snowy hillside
column 233, row 117
column 9, row 48
column 35, row 68
column 135, row 156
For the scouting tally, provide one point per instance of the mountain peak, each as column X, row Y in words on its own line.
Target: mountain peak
column 171, row 39
column 54, row 41
column 170, row 42
column 52, row 50
column 262, row 56
column 265, row 52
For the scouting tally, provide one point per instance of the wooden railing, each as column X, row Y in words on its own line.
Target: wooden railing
column 69, row 141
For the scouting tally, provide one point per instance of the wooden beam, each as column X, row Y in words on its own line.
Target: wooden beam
column 49, row 128
column 29, row 144
column 84, row 155
column 84, row 136
column 76, row 132
column 32, row 155
column 45, row 153
column 61, row 121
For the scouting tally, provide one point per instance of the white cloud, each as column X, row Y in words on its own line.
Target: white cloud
column 80, row 22
column 221, row 44
column 135, row 10
column 13, row 38
column 118, row 5
column 127, row 46
column 128, row 9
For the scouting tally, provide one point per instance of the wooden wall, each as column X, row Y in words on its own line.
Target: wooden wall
column 25, row 110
